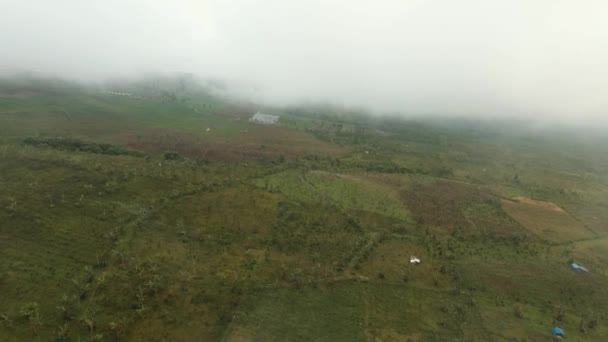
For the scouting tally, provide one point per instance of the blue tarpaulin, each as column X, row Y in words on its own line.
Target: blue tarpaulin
column 557, row 331
column 577, row 267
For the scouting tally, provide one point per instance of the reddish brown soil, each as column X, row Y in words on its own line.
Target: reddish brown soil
column 444, row 206
column 257, row 142
column 539, row 204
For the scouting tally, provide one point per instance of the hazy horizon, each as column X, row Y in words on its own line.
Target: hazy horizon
column 544, row 60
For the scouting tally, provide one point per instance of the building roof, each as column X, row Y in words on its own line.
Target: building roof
column 260, row 117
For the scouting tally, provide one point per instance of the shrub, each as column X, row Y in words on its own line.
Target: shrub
column 69, row 144
column 518, row 311
column 171, row 155
column 29, row 310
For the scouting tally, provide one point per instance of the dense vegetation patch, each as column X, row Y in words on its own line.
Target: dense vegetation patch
column 75, row 145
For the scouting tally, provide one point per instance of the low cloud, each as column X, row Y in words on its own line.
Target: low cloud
column 544, row 59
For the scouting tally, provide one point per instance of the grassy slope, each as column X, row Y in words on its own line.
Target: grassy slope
column 314, row 246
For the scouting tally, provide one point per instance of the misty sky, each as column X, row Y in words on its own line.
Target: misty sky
column 534, row 58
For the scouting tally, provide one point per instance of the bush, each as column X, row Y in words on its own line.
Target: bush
column 68, row 144
column 29, row 310
column 171, row 155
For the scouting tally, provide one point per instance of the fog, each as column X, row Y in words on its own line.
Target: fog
column 539, row 59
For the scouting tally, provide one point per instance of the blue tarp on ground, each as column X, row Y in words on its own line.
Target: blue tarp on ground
column 557, row 331
column 577, row 267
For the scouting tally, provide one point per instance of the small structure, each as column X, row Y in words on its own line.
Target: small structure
column 414, row 260
column 578, row 268
column 265, row 119
column 119, row 93
column 557, row 331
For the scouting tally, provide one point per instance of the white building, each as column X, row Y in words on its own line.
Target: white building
column 262, row 118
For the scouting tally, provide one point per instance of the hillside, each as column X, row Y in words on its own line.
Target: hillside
column 165, row 215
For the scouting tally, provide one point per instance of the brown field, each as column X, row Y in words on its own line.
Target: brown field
column 546, row 220
column 255, row 142
column 440, row 204
column 236, row 112
column 540, row 204
column 459, row 208
column 391, row 183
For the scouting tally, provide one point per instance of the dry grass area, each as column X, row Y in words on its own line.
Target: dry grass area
column 440, row 203
column 271, row 142
column 546, row 220
column 253, row 143
column 592, row 253
column 390, row 183
column 459, row 208
column 539, row 204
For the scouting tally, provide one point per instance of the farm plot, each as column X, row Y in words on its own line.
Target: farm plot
column 546, row 220
column 335, row 189
column 348, row 311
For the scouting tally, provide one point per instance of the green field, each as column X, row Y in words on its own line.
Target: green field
column 168, row 216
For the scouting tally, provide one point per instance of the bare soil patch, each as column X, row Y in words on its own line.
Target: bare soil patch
column 540, row 204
